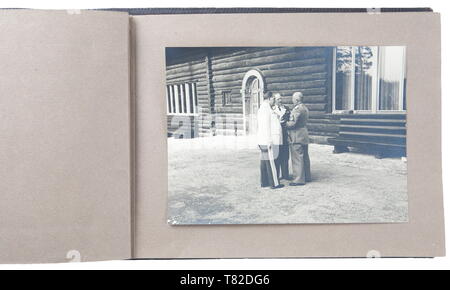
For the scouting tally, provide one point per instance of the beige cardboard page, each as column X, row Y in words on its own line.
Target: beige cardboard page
column 423, row 236
column 64, row 136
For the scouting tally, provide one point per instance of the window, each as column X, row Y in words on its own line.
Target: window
column 226, row 98
column 392, row 79
column 369, row 79
column 182, row 99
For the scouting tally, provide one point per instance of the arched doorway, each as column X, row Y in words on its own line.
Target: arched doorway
column 252, row 97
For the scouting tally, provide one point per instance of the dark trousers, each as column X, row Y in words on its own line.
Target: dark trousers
column 301, row 165
column 268, row 167
column 283, row 162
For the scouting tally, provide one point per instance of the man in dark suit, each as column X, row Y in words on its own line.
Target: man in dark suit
column 283, row 158
column 299, row 140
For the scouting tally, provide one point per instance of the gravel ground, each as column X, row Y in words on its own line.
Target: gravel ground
column 215, row 180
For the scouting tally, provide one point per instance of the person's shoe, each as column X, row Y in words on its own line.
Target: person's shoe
column 278, row 186
column 296, row 184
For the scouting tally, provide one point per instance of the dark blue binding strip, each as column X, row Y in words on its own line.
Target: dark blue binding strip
column 167, row 11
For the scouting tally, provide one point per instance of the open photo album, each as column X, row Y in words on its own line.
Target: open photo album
column 220, row 133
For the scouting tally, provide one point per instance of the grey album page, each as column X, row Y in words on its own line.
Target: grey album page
column 288, row 135
column 64, row 136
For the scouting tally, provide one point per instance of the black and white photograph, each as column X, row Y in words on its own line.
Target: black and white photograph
column 287, row 135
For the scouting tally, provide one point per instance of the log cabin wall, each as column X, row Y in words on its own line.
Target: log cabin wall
column 189, row 66
column 219, row 74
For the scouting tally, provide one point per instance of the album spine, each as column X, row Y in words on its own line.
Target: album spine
column 168, row 11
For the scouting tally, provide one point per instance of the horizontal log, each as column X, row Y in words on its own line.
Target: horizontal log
column 228, row 123
column 188, row 68
column 317, row 114
column 200, row 60
column 205, row 111
column 324, row 121
column 234, row 76
column 199, row 79
column 229, row 106
column 275, row 80
column 295, row 64
column 200, row 82
column 235, row 89
column 306, row 92
column 328, row 116
column 297, row 78
column 382, row 116
column 374, row 123
column 311, row 99
column 316, row 107
column 306, row 55
column 204, row 102
column 376, row 138
column 235, row 99
column 219, row 53
column 218, row 103
column 253, row 55
column 296, row 85
column 238, row 107
column 375, row 129
column 194, row 75
column 296, row 71
column 323, row 128
column 201, row 95
column 229, row 115
column 238, row 73
column 238, row 122
column 234, row 84
column 315, row 99
column 251, row 62
column 202, row 85
column 232, row 110
column 319, row 133
column 184, row 55
column 245, row 53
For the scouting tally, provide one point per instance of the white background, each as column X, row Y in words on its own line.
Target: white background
column 245, row 264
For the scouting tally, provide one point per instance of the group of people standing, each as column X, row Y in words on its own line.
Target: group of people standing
column 282, row 135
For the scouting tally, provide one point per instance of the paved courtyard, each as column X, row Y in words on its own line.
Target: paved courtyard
column 215, row 180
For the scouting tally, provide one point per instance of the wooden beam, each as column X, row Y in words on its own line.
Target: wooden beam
column 296, row 85
column 252, row 61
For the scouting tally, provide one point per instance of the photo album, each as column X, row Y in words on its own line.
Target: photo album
column 195, row 133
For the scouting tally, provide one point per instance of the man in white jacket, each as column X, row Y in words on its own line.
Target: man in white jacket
column 270, row 138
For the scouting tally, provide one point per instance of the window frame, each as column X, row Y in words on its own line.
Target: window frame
column 226, row 98
column 375, row 100
column 180, row 94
